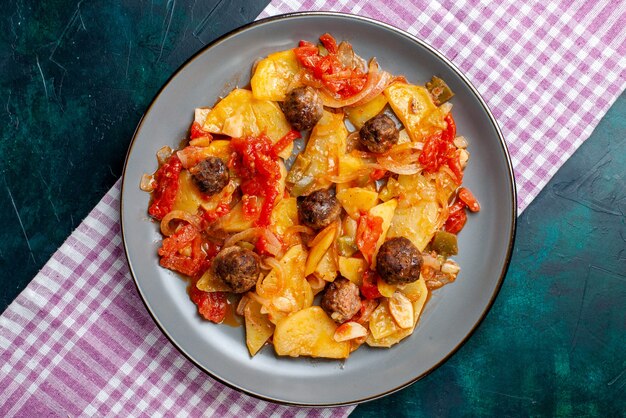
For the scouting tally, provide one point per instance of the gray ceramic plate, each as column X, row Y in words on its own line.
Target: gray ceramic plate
column 453, row 311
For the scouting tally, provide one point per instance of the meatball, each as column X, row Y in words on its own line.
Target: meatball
column 341, row 300
column 303, row 108
column 379, row 134
column 237, row 267
column 210, row 175
column 399, row 261
column 319, row 209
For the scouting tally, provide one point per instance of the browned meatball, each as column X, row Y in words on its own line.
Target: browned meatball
column 319, row 209
column 379, row 134
column 399, row 261
column 303, row 108
column 341, row 300
column 237, row 267
column 210, row 175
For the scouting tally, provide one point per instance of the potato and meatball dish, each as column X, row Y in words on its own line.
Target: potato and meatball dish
column 320, row 205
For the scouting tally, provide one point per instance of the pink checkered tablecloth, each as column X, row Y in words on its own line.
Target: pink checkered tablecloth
column 79, row 341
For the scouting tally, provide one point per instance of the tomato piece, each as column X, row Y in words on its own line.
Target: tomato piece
column 369, row 288
column 439, row 150
column 450, row 132
column 456, row 218
column 285, row 141
column 338, row 79
column 250, row 207
column 257, row 165
column 196, row 131
column 378, row 174
column 455, row 166
column 182, row 252
column 468, row 198
column 368, row 231
column 211, row 305
column 222, row 209
column 164, row 195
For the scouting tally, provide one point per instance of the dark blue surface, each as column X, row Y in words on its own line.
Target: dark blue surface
column 75, row 78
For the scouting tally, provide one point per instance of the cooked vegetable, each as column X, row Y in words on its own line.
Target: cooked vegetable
column 309, row 332
column 258, row 328
column 386, row 212
column 352, row 268
column 401, row 310
column 445, row 243
column 346, row 246
column 439, row 90
column 414, row 107
column 327, row 268
column 349, row 331
column 320, row 158
column 358, row 115
column 274, row 76
column 356, row 200
column 320, row 246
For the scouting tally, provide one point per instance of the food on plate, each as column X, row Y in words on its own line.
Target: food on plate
column 337, row 242
column 303, row 108
column 379, row 134
column 319, row 209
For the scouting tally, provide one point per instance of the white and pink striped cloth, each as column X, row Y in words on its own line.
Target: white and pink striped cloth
column 79, row 341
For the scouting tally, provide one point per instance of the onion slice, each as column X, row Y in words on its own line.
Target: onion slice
column 248, row 235
column 166, row 227
column 349, row 59
column 376, row 82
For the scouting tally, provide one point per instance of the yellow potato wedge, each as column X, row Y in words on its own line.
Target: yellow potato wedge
column 415, row 108
column 417, row 293
column 235, row 220
column 324, row 240
column 188, row 197
column 273, row 77
column 401, row 310
column 356, row 200
column 327, row 267
column 386, row 289
column 417, row 223
column 209, row 282
column 236, row 107
column 258, row 328
column 240, row 114
column 271, row 120
column 320, row 158
column 285, row 215
column 381, row 322
column 309, row 332
column 352, row 268
column 295, row 293
column 358, row 115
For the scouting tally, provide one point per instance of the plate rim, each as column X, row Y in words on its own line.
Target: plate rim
column 492, row 119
